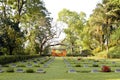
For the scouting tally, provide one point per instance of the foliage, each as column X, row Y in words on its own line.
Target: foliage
column 95, row 65
column 75, row 24
column 25, row 27
column 13, row 58
column 114, row 53
column 86, row 53
column 30, row 71
column 20, row 65
column 77, row 65
column 10, row 69
column 104, row 23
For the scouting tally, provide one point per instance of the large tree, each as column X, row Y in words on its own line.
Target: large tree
column 20, row 19
column 75, row 24
column 104, row 21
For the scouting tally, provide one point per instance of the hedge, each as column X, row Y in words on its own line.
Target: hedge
column 15, row 58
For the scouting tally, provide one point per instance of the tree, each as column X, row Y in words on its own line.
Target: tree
column 18, row 19
column 75, row 24
column 104, row 17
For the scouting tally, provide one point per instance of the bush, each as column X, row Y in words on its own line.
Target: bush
column 6, row 65
column 30, row 71
column 21, row 65
column 15, row 58
column 114, row 53
column 95, row 65
column 36, row 66
column 10, row 70
column 106, row 69
column 41, row 62
column 86, row 53
column 78, row 65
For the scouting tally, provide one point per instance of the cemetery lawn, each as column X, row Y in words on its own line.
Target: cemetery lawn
column 57, row 70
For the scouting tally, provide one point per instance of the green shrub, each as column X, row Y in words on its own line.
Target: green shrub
column 114, row 53
column 42, row 63
column 78, row 65
column 36, row 66
column 10, row 70
column 20, row 65
column 30, row 71
column 6, row 65
column 95, row 65
column 15, row 58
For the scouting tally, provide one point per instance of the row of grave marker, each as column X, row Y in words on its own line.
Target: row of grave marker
column 85, row 65
column 22, row 71
column 49, row 62
column 27, row 65
column 68, row 65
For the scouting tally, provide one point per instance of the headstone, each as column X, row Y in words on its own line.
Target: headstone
column 29, row 65
column 113, row 62
column 71, row 71
column 69, row 65
column 1, row 71
column 45, row 66
column 94, row 63
column 40, row 71
column 19, row 70
column 85, row 65
column 35, row 63
column 13, row 65
column 117, row 70
column 94, row 70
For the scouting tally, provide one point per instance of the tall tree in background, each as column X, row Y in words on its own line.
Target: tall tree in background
column 20, row 19
column 104, row 19
column 75, row 24
column 11, row 12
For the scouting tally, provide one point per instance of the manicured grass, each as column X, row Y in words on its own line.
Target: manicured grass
column 57, row 70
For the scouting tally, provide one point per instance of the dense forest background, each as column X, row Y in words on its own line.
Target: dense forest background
column 26, row 29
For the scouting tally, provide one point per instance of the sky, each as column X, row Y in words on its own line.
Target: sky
column 55, row 6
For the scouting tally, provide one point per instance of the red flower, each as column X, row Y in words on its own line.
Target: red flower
column 106, row 69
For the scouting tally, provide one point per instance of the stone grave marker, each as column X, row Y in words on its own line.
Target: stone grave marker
column 29, row 65
column 13, row 65
column 117, row 70
column 19, row 70
column 45, row 66
column 71, row 71
column 85, row 65
column 113, row 62
column 1, row 71
column 68, row 65
column 35, row 63
column 94, row 70
column 40, row 71
column 94, row 63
